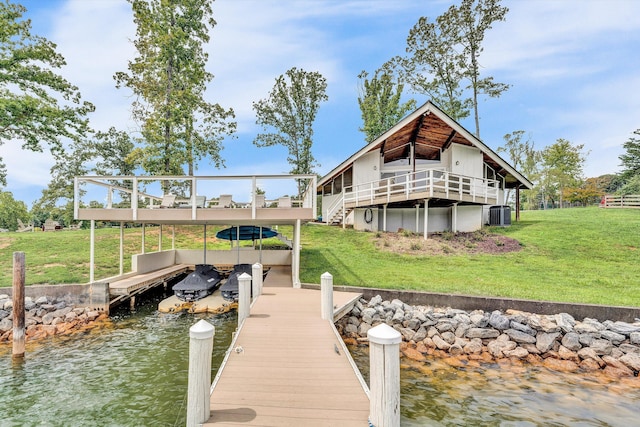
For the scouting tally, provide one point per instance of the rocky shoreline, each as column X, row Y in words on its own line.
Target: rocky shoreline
column 558, row 341
column 45, row 317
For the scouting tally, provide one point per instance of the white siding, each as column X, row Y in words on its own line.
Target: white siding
column 466, row 161
column 367, row 168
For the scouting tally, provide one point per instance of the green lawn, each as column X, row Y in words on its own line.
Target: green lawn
column 588, row 255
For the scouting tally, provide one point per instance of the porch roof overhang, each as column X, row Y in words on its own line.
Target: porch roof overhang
column 431, row 130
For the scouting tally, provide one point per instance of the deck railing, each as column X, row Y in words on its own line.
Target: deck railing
column 147, row 192
column 414, row 185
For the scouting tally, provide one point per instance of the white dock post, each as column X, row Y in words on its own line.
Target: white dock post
column 384, row 360
column 326, row 289
column 244, row 297
column 199, row 383
column 256, row 280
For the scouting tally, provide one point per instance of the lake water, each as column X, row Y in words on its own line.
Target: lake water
column 134, row 373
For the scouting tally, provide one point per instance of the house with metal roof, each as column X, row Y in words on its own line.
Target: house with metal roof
column 425, row 174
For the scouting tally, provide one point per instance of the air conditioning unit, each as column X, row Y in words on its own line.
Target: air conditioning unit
column 500, row 215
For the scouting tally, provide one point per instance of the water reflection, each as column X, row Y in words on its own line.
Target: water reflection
column 438, row 394
column 132, row 372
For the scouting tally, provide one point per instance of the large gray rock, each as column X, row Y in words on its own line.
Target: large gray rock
column 48, row 318
column 498, row 348
column 572, row 341
column 565, row 321
column 518, row 352
column 407, row 334
column 623, row 328
column 543, row 323
column 440, row 343
column 587, row 339
column 499, row 321
column 480, row 320
column 444, row 326
column 362, row 329
column 448, row 337
column 398, row 317
column 544, row 341
column 8, row 305
column 375, row 301
column 5, row 325
column 522, row 328
column 4, row 296
column 412, row 323
column 520, row 337
column 634, row 338
column 482, row 333
column 614, row 337
column 420, row 334
column 632, row 360
column 629, row 348
column 601, row 347
column 3, row 314
column 589, row 353
column 473, row 347
column 42, row 300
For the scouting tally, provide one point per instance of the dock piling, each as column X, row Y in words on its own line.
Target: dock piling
column 384, row 360
column 18, row 305
column 244, row 297
column 199, row 382
column 326, row 289
column 256, row 280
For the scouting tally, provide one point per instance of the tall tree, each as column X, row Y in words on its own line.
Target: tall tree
column 631, row 158
column 37, row 106
column 290, row 110
column 379, row 101
column 432, row 66
column 563, row 164
column 524, row 157
column 169, row 80
column 473, row 19
column 445, row 53
column 11, row 210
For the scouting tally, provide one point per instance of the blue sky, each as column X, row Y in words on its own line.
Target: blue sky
column 574, row 67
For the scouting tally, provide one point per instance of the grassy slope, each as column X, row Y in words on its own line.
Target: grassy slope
column 577, row 255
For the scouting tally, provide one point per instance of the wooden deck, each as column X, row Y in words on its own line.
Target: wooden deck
column 130, row 285
column 288, row 367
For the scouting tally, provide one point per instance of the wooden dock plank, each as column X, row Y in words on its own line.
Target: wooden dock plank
column 285, row 370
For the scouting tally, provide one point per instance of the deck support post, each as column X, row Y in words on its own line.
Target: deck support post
column 144, row 235
column 256, row 280
column 132, row 303
column 121, row 248
column 92, row 251
column 18, row 305
column 417, row 218
column 199, row 382
column 384, row 217
column 426, row 219
column 244, row 297
column 296, row 255
column 326, row 289
column 454, row 218
column 517, row 203
column 384, row 360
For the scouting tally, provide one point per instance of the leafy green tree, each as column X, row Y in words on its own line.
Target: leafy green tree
column 37, row 107
column 562, row 166
column 632, row 186
column 524, row 158
column 432, row 66
column 445, row 53
column 473, row 19
column 379, row 101
column 11, row 210
column 169, row 80
column 631, row 158
column 290, row 111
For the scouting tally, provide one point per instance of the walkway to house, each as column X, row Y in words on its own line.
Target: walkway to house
column 288, row 367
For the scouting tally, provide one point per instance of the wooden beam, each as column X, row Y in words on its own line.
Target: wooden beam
column 449, row 140
column 518, row 203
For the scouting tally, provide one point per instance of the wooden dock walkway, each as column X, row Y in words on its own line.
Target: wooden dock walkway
column 288, row 367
